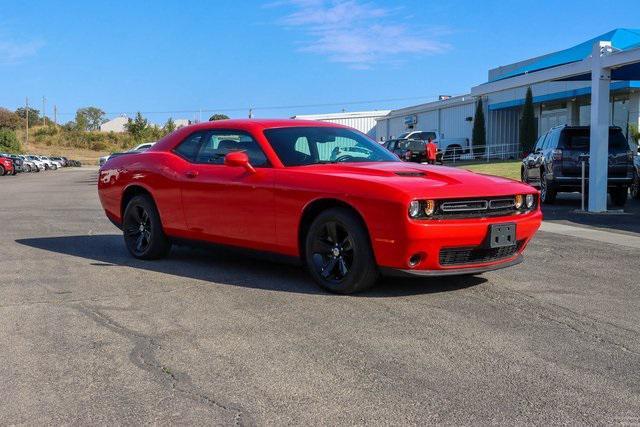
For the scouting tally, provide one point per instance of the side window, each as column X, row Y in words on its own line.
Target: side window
column 552, row 140
column 218, row 144
column 189, row 147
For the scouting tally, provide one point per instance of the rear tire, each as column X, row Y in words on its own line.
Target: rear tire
column 2, row 171
column 547, row 192
column 142, row 229
column 338, row 252
column 619, row 196
column 635, row 188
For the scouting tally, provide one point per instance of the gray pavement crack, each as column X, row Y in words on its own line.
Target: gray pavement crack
column 143, row 356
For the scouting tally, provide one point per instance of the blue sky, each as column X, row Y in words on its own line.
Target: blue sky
column 168, row 56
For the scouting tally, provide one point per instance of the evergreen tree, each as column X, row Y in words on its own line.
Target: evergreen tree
column 479, row 136
column 528, row 133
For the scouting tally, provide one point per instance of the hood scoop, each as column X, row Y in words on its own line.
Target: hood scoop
column 416, row 174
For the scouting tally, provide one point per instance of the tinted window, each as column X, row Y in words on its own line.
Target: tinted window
column 190, row 146
column 579, row 139
column 417, row 145
column 218, row 144
column 426, row 135
column 297, row 146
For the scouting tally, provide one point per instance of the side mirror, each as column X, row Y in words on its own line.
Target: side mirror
column 239, row 159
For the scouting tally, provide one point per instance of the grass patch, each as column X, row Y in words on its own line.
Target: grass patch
column 507, row 169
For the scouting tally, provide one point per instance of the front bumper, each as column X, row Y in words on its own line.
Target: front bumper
column 434, row 241
column 397, row 272
column 570, row 181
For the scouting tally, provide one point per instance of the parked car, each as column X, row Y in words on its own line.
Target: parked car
column 409, row 150
column 274, row 185
column 6, row 165
column 28, row 165
column 635, row 186
column 555, row 163
column 448, row 149
column 137, row 149
column 17, row 162
column 37, row 161
column 61, row 160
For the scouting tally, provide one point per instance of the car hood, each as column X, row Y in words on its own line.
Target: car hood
column 419, row 180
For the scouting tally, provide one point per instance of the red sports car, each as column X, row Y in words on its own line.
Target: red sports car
column 6, row 166
column 322, row 193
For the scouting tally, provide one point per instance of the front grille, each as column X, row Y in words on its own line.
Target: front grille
column 476, row 254
column 476, row 208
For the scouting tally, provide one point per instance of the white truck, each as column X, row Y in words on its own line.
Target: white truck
column 448, row 148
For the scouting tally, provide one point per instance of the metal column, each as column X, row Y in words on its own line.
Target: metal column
column 599, row 153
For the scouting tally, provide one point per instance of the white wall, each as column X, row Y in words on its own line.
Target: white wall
column 451, row 121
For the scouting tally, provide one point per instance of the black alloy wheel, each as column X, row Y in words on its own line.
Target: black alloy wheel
column 332, row 252
column 2, row 171
column 338, row 252
column 142, row 229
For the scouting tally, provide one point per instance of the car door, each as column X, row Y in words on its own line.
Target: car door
column 532, row 162
column 227, row 204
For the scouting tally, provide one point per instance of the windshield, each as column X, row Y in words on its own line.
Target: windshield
column 299, row 146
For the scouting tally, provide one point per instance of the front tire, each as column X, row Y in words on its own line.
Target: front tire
column 619, row 196
column 2, row 171
column 635, row 188
column 338, row 252
column 142, row 229
column 547, row 192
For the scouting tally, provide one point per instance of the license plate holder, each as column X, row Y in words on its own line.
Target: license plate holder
column 502, row 235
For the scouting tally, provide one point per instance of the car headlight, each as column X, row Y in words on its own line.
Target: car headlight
column 519, row 200
column 414, row 209
column 529, row 201
column 422, row 208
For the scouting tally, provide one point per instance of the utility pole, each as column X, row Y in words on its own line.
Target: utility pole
column 26, row 104
column 44, row 106
column 55, row 115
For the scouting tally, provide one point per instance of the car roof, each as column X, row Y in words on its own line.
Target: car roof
column 260, row 123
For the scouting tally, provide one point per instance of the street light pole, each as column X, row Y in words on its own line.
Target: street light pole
column 26, row 104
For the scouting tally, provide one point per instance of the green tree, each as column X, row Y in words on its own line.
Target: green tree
column 89, row 118
column 137, row 127
column 479, row 134
column 169, row 127
column 9, row 142
column 34, row 115
column 528, row 133
column 9, row 119
column 218, row 117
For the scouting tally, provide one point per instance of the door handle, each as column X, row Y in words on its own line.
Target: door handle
column 191, row 174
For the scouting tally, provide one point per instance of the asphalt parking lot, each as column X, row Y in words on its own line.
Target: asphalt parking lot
column 90, row 335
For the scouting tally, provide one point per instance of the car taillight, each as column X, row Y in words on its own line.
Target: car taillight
column 557, row 154
column 407, row 155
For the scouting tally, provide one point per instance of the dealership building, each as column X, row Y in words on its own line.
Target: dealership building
column 566, row 100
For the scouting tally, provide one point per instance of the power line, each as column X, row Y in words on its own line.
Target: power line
column 273, row 107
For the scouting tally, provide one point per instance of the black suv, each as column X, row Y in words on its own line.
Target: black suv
column 556, row 163
column 409, row 150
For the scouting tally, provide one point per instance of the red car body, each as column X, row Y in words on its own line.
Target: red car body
column 7, row 165
column 267, row 209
